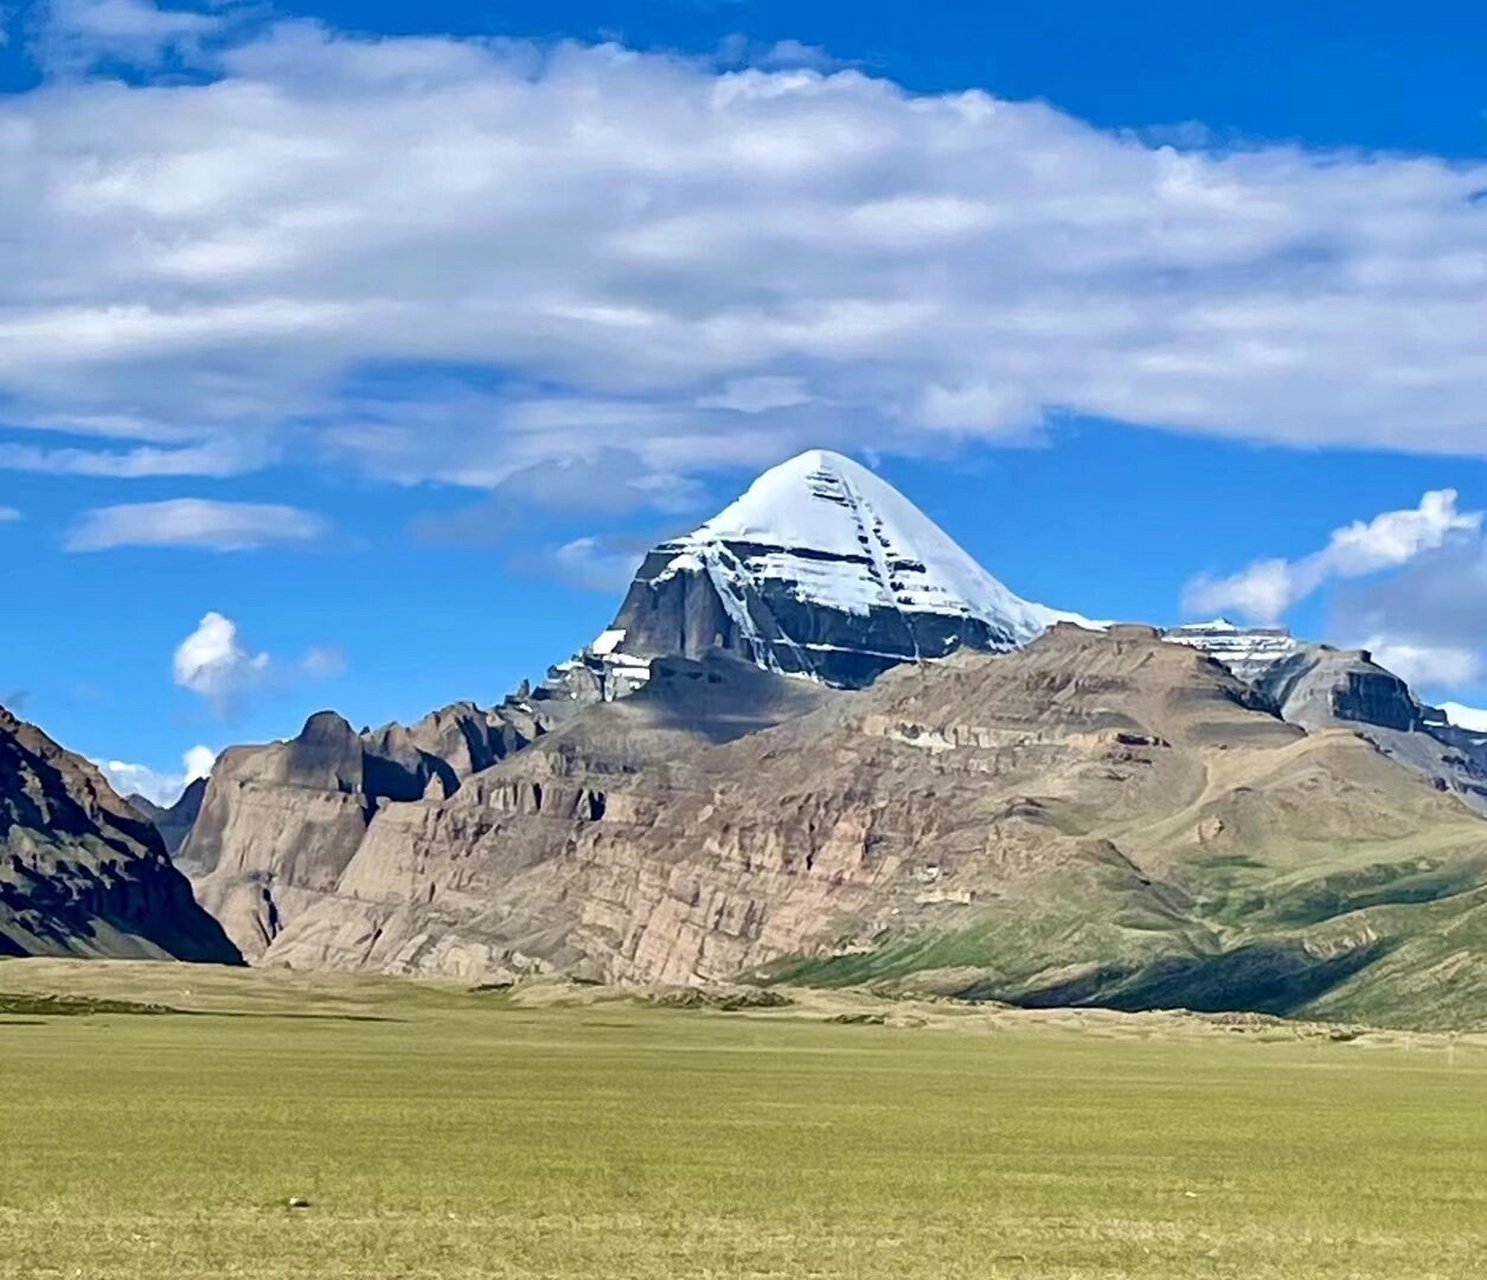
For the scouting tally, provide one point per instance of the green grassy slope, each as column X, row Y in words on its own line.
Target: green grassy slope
column 437, row 1133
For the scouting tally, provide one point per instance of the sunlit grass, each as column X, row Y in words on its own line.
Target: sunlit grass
column 462, row 1136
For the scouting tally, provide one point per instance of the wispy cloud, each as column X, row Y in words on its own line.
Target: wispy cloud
column 1268, row 588
column 9, row 515
column 608, row 482
column 195, row 522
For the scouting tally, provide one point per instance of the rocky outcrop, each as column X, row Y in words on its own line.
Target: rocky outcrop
column 280, row 823
column 1096, row 818
column 81, row 872
column 1318, row 686
column 174, row 822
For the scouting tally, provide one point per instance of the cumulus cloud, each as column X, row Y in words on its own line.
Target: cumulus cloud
column 194, row 522
column 1268, row 588
column 1427, row 666
column 215, row 663
column 1473, row 719
column 162, row 787
column 582, row 244
column 79, row 33
column 1435, row 605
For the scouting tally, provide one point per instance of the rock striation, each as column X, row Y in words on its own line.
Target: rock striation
column 81, row 872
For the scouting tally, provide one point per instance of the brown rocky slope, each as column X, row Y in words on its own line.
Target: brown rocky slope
column 1099, row 818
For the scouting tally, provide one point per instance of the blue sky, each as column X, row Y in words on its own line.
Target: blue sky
column 387, row 333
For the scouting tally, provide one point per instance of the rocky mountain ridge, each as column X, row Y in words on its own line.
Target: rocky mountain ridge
column 81, row 871
column 1095, row 818
column 640, row 815
column 1318, row 686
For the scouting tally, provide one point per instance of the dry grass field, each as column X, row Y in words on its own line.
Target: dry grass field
column 431, row 1132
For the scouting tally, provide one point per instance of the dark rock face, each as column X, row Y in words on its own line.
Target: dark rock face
column 1318, row 685
column 81, row 872
column 682, row 612
column 174, row 823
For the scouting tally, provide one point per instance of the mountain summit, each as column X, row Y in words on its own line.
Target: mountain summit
column 820, row 569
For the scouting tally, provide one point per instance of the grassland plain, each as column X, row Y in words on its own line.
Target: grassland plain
column 436, row 1132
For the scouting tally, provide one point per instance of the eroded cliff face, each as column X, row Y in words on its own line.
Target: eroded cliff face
column 280, row 824
column 1096, row 817
column 81, row 872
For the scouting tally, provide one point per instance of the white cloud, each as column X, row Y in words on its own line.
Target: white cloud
column 163, row 787
column 628, row 239
column 81, row 32
column 1267, row 588
column 1427, row 666
column 215, row 663
column 194, row 522
column 598, row 562
column 9, row 515
column 1463, row 717
column 198, row 762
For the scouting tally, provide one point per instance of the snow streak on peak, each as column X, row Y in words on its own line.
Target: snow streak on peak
column 849, row 540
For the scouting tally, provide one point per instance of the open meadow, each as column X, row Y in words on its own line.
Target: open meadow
column 333, row 1127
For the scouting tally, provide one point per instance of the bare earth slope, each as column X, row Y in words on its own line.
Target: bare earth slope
column 1094, row 819
column 81, row 872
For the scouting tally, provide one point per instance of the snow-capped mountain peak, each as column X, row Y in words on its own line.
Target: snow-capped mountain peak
column 822, row 569
column 847, row 539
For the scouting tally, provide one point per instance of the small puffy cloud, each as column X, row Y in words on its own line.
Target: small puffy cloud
column 594, row 562
column 194, row 522
column 213, row 662
column 161, row 787
column 1268, row 588
column 1261, row 592
column 216, row 664
column 198, row 762
column 599, row 563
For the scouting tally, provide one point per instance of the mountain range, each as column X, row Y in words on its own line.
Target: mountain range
column 819, row 742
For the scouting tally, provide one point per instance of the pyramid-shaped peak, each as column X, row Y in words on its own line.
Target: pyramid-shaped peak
column 847, row 539
column 814, row 501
